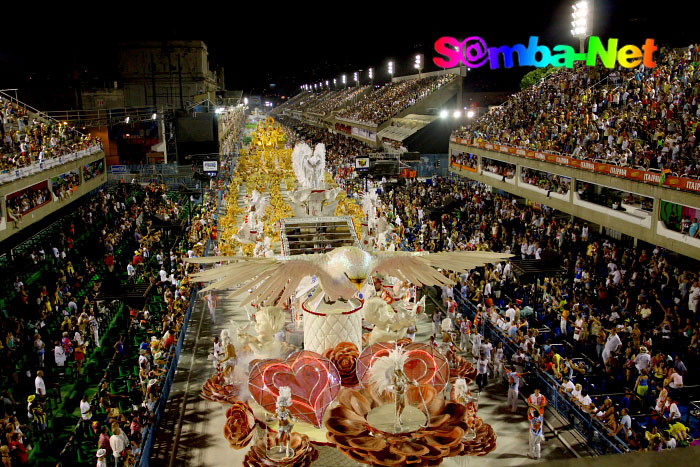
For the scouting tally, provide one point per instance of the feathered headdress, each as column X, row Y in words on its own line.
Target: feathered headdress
column 285, row 397
column 382, row 371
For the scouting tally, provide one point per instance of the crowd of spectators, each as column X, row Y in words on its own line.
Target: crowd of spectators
column 546, row 181
column 64, row 187
column 28, row 199
column 467, row 160
column 25, row 140
column 58, row 326
column 499, row 168
column 637, row 117
column 311, row 99
column 615, row 320
column 386, row 101
column 337, row 99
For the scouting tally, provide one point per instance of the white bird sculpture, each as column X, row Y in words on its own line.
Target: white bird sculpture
column 341, row 272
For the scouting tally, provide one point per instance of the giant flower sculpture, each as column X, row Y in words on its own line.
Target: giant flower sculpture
column 344, row 357
column 240, row 422
column 304, row 452
column 352, row 434
column 215, row 389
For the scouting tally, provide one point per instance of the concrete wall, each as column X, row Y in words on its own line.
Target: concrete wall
column 7, row 228
column 629, row 222
column 164, row 65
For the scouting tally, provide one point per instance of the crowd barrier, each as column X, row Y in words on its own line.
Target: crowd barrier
column 631, row 173
column 592, row 430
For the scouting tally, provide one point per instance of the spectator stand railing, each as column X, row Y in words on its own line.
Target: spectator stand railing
column 149, row 435
column 592, row 430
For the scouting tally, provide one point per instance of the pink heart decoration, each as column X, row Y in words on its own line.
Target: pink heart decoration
column 424, row 364
column 314, row 382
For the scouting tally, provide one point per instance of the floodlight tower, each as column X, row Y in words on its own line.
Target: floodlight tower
column 371, row 75
column 581, row 24
column 391, row 68
column 418, row 62
column 344, row 78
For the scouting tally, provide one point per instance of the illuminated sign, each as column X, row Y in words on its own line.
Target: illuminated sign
column 474, row 53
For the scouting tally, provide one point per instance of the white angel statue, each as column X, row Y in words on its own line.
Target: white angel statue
column 301, row 152
column 268, row 322
column 389, row 325
column 315, row 167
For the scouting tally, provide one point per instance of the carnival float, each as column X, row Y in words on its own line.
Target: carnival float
column 328, row 360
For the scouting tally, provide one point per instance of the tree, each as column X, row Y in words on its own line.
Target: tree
column 536, row 75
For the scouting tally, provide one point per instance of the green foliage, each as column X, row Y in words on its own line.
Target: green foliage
column 536, row 75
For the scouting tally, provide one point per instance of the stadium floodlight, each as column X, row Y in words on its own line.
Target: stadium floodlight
column 391, row 67
column 127, row 119
column 154, row 116
column 334, row 82
column 579, row 25
column 326, row 83
column 371, row 73
column 344, row 79
column 444, row 113
column 356, row 77
column 418, row 62
column 457, row 114
column 470, row 114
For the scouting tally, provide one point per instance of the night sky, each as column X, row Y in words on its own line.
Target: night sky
column 259, row 44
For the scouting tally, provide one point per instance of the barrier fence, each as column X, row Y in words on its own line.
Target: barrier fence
column 591, row 429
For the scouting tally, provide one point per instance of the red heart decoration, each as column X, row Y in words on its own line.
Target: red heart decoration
column 424, row 364
column 314, row 382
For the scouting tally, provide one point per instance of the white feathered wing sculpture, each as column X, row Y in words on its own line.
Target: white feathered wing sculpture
column 301, row 152
column 341, row 272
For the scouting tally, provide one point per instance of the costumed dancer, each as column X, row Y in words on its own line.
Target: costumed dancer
column 217, row 354
column 284, row 433
column 536, row 432
column 228, row 360
column 388, row 376
column 452, row 355
column 513, row 388
column 476, row 344
column 437, row 319
column 212, row 301
column 464, row 330
column 463, row 395
column 446, row 328
column 498, row 366
column 537, row 401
